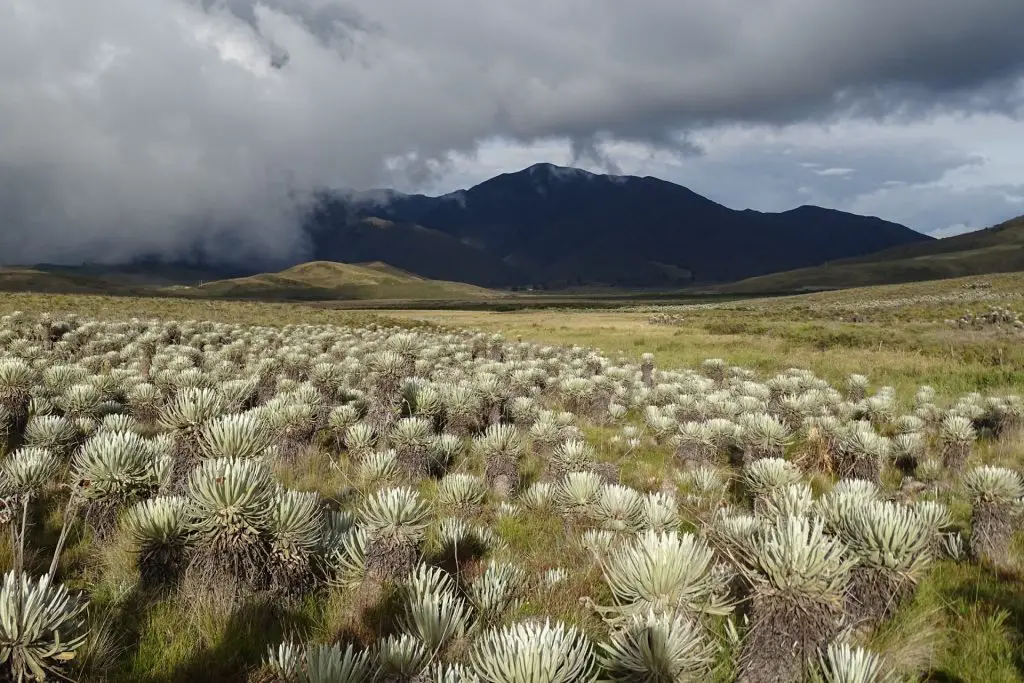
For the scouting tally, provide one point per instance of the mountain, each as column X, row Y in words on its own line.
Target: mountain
column 999, row 249
column 559, row 226
column 544, row 226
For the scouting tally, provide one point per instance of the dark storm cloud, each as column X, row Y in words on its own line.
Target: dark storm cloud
column 334, row 24
column 131, row 126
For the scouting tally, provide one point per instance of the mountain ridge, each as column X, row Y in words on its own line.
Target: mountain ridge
column 560, row 226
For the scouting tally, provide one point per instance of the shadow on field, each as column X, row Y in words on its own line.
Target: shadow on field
column 942, row 677
column 999, row 592
column 252, row 628
column 1004, row 588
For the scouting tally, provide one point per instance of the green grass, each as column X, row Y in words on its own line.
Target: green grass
column 770, row 337
column 980, row 616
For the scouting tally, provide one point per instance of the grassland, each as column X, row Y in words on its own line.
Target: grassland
column 966, row 623
column 900, row 332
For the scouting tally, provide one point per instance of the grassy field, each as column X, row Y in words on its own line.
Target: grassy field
column 965, row 624
column 900, row 333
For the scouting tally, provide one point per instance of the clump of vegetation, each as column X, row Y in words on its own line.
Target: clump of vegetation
column 996, row 317
column 997, row 498
column 798, row 577
column 325, row 503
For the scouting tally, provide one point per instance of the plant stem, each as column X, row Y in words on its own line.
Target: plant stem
column 65, row 528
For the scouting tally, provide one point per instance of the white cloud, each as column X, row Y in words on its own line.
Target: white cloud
column 952, row 230
column 835, row 171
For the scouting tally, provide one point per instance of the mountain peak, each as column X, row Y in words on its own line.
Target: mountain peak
column 812, row 208
column 546, row 175
column 554, row 172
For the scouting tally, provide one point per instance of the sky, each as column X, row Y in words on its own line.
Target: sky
column 133, row 127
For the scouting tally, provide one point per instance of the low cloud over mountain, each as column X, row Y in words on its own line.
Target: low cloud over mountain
column 151, row 127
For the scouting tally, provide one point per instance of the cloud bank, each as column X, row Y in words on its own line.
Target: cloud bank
column 133, row 127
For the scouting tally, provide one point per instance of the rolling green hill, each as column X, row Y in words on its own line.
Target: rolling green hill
column 999, row 249
column 319, row 280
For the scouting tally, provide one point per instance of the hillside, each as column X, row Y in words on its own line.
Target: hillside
column 15, row 279
column 141, row 277
column 563, row 227
column 336, row 235
column 320, row 280
column 999, row 249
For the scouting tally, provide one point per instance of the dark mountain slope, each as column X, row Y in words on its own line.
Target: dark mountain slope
column 999, row 249
column 337, row 233
column 566, row 226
